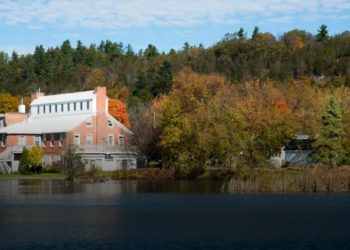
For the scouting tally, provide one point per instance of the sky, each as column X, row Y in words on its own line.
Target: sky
column 166, row 24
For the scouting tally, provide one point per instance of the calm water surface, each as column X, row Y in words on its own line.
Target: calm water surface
column 166, row 215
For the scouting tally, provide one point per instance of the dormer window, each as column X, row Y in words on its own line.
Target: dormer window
column 110, row 123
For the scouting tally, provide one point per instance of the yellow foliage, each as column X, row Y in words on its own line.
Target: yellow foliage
column 8, row 103
column 35, row 156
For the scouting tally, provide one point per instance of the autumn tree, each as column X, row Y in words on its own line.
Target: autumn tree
column 265, row 122
column 117, row 109
column 94, row 79
column 35, row 157
column 8, row 103
column 190, row 119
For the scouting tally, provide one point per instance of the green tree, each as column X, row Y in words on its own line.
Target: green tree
column 322, row 34
column 151, row 51
column 329, row 147
column 256, row 33
column 73, row 163
column 164, row 79
column 24, row 161
column 240, row 33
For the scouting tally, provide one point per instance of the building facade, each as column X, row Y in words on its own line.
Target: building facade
column 55, row 122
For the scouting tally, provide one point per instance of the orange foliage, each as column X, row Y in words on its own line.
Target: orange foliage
column 117, row 109
column 296, row 43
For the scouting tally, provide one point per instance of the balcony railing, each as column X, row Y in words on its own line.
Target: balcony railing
column 100, row 148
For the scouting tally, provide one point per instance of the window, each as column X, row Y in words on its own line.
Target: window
column 110, row 124
column 61, row 107
column 81, row 105
column 89, row 123
column 21, row 140
column 121, row 140
column 75, row 107
column 1, row 124
column 88, row 105
column 77, row 139
column 56, row 108
column 44, row 109
column 3, row 141
column 110, row 139
column 68, row 107
column 49, row 108
column 44, row 141
column 60, row 141
column 52, row 140
column 38, row 110
column 37, row 140
column 89, row 140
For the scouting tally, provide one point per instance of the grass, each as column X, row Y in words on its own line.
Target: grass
column 41, row 176
column 320, row 179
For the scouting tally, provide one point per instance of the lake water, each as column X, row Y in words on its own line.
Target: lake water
column 51, row 214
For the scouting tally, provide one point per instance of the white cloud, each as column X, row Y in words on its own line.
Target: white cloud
column 284, row 19
column 21, row 50
column 140, row 13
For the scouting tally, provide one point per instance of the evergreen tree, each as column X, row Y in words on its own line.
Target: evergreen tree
column 151, row 51
column 39, row 56
column 256, row 33
column 79, row 55
column 129, row 51
column 141, row 83
column 240, row 33
column 24, row 161
column 329, row 147
column 322, row 34
column 165, row 79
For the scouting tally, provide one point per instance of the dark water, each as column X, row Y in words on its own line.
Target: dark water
column 166, row 215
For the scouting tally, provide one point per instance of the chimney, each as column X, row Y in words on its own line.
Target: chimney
column 22, row 107
column 101, row 94
column 37, row 95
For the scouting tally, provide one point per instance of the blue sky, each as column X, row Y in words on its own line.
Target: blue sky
column 164, row 23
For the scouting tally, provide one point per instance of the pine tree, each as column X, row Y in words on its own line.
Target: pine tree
column 241, row 33
column 256, row 32
column 329, row 147
column 322, row 34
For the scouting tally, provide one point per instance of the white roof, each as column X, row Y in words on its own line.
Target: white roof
column 46, row 125
column 69, row 97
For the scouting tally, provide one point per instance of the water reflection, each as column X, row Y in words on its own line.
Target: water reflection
column 50, row 187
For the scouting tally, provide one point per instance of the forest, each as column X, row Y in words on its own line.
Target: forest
column 257, row 91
